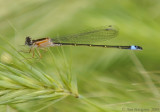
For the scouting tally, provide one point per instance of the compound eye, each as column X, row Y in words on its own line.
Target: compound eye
column 28, row 41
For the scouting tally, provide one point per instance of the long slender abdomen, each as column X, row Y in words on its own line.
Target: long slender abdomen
column 133, row 47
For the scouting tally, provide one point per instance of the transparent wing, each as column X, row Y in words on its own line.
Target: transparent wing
column 96, row 35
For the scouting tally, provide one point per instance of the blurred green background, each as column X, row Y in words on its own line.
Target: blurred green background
column 110, row 79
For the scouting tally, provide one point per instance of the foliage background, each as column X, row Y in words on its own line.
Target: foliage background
column 107, row 79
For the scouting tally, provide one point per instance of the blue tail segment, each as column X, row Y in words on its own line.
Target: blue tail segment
column 133, row 47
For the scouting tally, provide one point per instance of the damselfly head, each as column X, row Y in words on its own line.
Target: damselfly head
column 28, row 41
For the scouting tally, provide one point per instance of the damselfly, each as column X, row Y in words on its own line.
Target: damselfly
column 87, row 38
